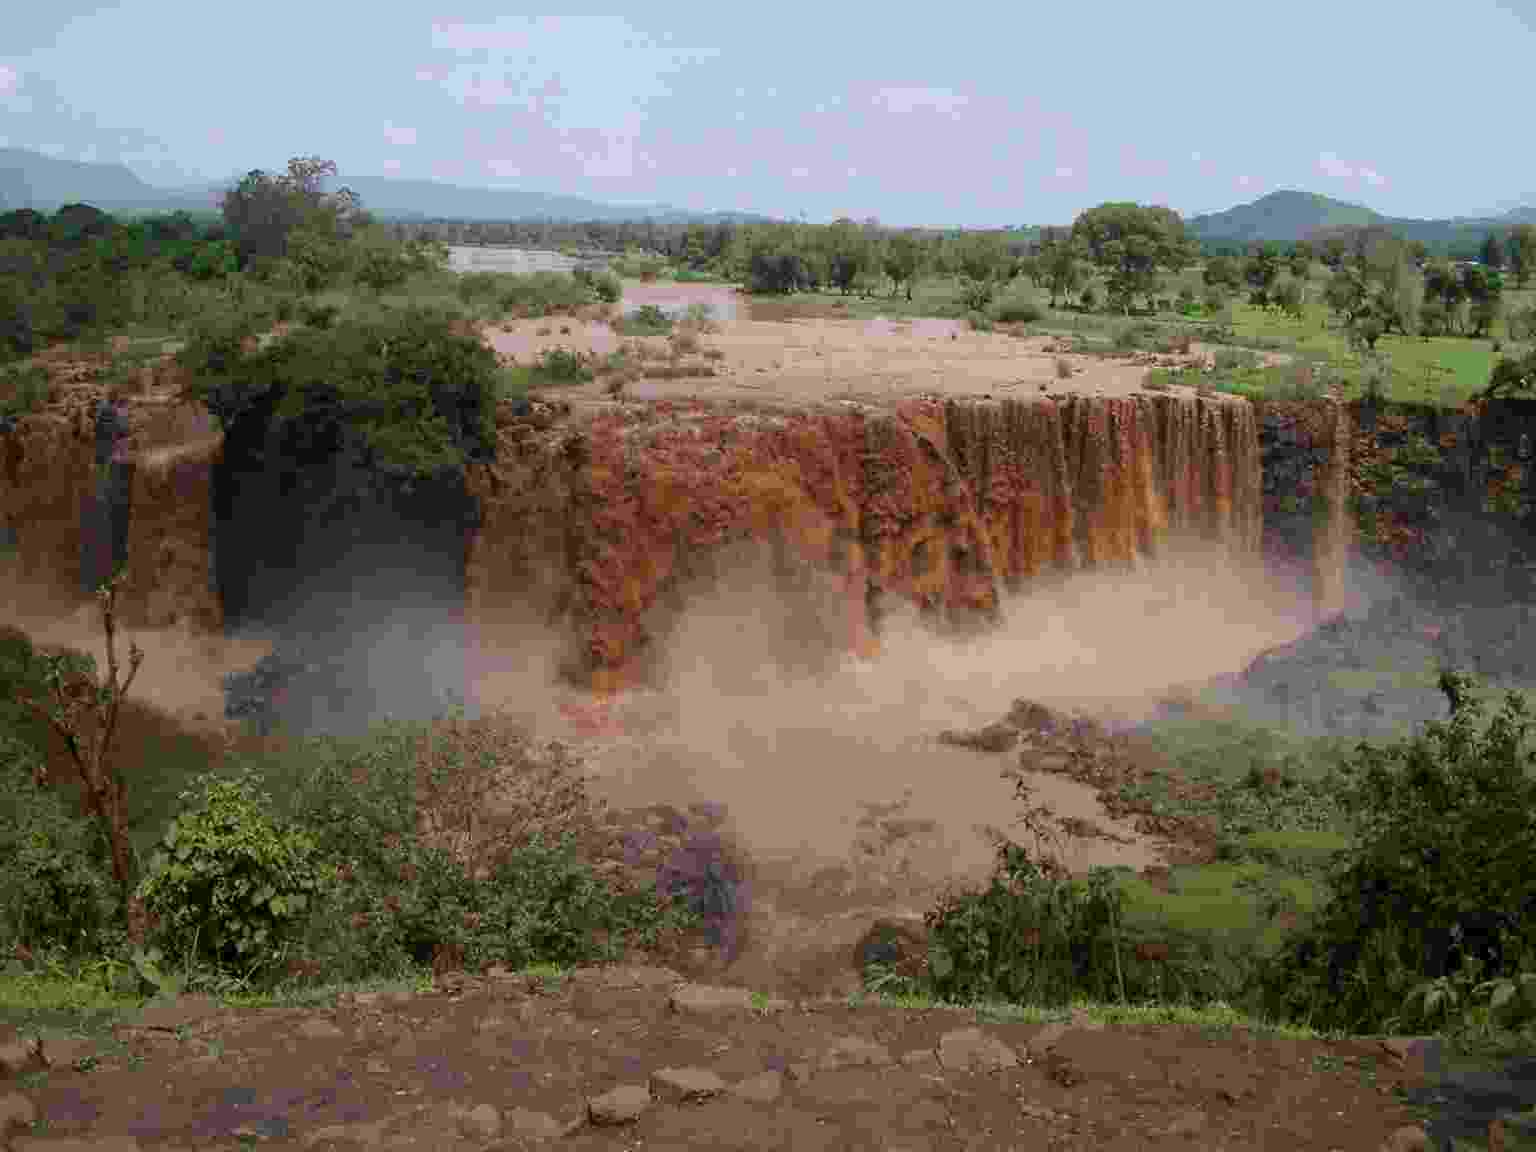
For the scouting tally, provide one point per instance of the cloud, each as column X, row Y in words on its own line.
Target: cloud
column 1065, row 173
column 1329, row 164
column 10, row 80
column 904, row 101
column 399, row 135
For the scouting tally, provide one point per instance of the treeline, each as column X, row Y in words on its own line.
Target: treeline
column 81, row 272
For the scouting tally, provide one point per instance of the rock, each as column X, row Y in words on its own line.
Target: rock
column 799, row 1072
column 95, row 1144
column 972, row 1050
column 20, row 1056
column 992, row 738
column 365, row 1134
column 705, row 1000
column 319, row 1029
column 532, row 1125
column 1409, row 1138
column 482, row 1122
column 624, row 1105
column 764, row 1088
column 855, row 1052
column 919, row 1058
column 16, row 1113
column 1190, row 1123
column 682, row 1085
column 1044, row 1040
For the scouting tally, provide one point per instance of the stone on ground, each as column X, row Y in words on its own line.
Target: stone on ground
column 705, row 1000
column 623, row 1105
column 972, row 1050
column 764, row 1088
column 855, row 1052
column 679, row 1085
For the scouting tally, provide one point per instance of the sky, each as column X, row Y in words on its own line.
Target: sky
column 978, row 116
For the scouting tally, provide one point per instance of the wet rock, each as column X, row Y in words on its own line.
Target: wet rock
column 482, row 1122
column 855, row 1052
column 764, row 1088
column 705, row 1000
column 683, row 1085
column 992, row 738
column 624, row 1105
column 16, row 1113
column 972, row 1050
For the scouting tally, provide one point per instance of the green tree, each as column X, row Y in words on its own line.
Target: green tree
column 1492, row 251
column 1059, row 263
column 1129, row 243
column 903, row 256
column 1260, row 271
column 1520, row 248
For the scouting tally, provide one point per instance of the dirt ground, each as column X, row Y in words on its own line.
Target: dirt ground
column 637, row 1058
column 808, row 360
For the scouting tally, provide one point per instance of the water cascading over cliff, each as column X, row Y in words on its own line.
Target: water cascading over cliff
column 948, row 504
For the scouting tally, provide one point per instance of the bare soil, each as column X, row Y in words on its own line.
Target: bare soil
column 820, row 359
column 499, row 1062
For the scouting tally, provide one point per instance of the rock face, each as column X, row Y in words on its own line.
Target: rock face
column 944, row 504
column 99, row 482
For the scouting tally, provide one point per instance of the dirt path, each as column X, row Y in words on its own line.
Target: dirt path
column 497, row 1063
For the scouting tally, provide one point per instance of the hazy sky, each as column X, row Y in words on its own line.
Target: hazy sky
column 932, row 114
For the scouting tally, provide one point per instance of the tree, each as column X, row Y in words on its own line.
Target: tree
column 979, row 256
column 82, row 709
column 1129, row 243
column 847, row 253
column 1301, row 259
column 1520, row 248
column 1059, row 264
column 1260, row 271
column 1220, row 271
column 263, row 209
column 1511, row 376
column 903, row 257
column 1492, row 251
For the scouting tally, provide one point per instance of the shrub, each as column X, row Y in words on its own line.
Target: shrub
column 230, row 884
column 317, row 315
column 410, row 392
column 607, row 287
column 455, row 838
column 976, row 295
column 1439, row 886
column 979, row 321
column 23, row 389
column 56, row 889
column 1016, row 310
column 563, row 366
column 1088, row 298
column 646, row 320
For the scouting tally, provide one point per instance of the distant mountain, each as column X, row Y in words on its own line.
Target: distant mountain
column 1288, row 216
column 32, row 180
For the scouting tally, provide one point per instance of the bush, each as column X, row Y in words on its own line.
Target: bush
column 230, row 885
column 562, row 366
column 56, row 889
column 607, row 287
column 410, row 393
column 646, row 320
column 976, row 295
column 1439, row 887
column 455, row 838
column 1016, row 310
column 979, row 321
column 23, row 389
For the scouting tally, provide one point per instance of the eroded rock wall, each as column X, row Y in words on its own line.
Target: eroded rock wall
column 85, row 489
column 945, row 504
column 1306, row 451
